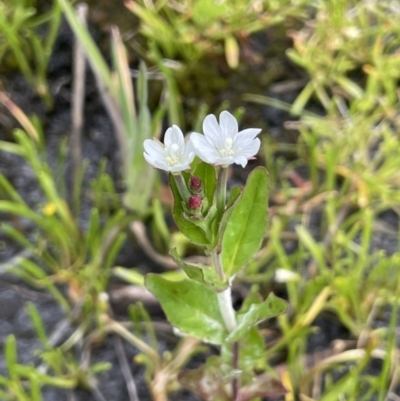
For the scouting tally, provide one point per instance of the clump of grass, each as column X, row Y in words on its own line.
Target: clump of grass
column 348, row 51
column 195, row 29
column 23, row 45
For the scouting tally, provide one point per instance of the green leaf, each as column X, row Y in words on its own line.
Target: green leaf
column 190, row 306
column 246, row 226
column 139, row 176
column 302, row 99
column 38, row 324
column 195, row 233
column 11, row 355
column 233, row 198
column 251, row 351
column 206, row 172
column 234, row 195
column 93, row 53
column 200, row 273
column 315, row 248
column 35, row 384
column 350, row 87
column 257, row 312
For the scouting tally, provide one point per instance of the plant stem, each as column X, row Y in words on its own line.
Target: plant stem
column 235, row 364
column 118, row 328
column 225, row 297
column 182, row 188
column 77, row 112
column 220, row 192
column 228, row 314
column 226, row 308
column 216, row 262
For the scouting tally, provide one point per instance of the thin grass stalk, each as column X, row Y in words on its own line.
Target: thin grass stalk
column 77, row 108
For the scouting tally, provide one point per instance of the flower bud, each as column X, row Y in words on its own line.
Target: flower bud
column 195, row 184
column 194, row 202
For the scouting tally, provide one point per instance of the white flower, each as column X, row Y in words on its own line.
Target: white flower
column 174, row 155
column 223, row 144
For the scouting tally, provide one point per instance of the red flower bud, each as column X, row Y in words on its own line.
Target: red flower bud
column 195, row 184
column 194, row 202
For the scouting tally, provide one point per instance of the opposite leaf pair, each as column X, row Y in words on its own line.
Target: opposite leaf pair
column 230, row 229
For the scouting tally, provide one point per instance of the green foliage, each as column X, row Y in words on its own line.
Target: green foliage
column 202, row 229
column 59, row 246
column 187, row 226
column 22, row 44
column 190, row 306
column 231, row 231
column 25, row 382
column 246, row 225
column 348, row 50
column 195, row 29
column 132, row 124
column 256, row 313
column 201, row 273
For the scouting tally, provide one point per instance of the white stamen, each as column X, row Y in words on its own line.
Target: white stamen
column 172, row 155
column 228, row 150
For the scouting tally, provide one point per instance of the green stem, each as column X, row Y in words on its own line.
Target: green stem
column 216, row 262
column 117, row 328
column 228, row 314
column 181, row 185
column 224, row 297
column 220, row 192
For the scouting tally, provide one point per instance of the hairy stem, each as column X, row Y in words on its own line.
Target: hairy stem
column 225, row 297
column 182, row 188
column 226, row 308
column 228, row 314
column 216, row 262
column 220, row 192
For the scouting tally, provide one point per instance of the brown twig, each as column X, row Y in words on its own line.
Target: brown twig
column 126, row 372
column 20, row 116
column 139, row 231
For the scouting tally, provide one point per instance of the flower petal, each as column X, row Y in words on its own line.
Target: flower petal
column 242, row 160
column 204, row 149
column 229, row 124
column 224, row 161
column 175, row 156
column 155, row 162
column 154, row 148
column 250, row 133
column 189, row 144
column 174, row 135
column 251, row 149
column 212, row 131
column 179, row 167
